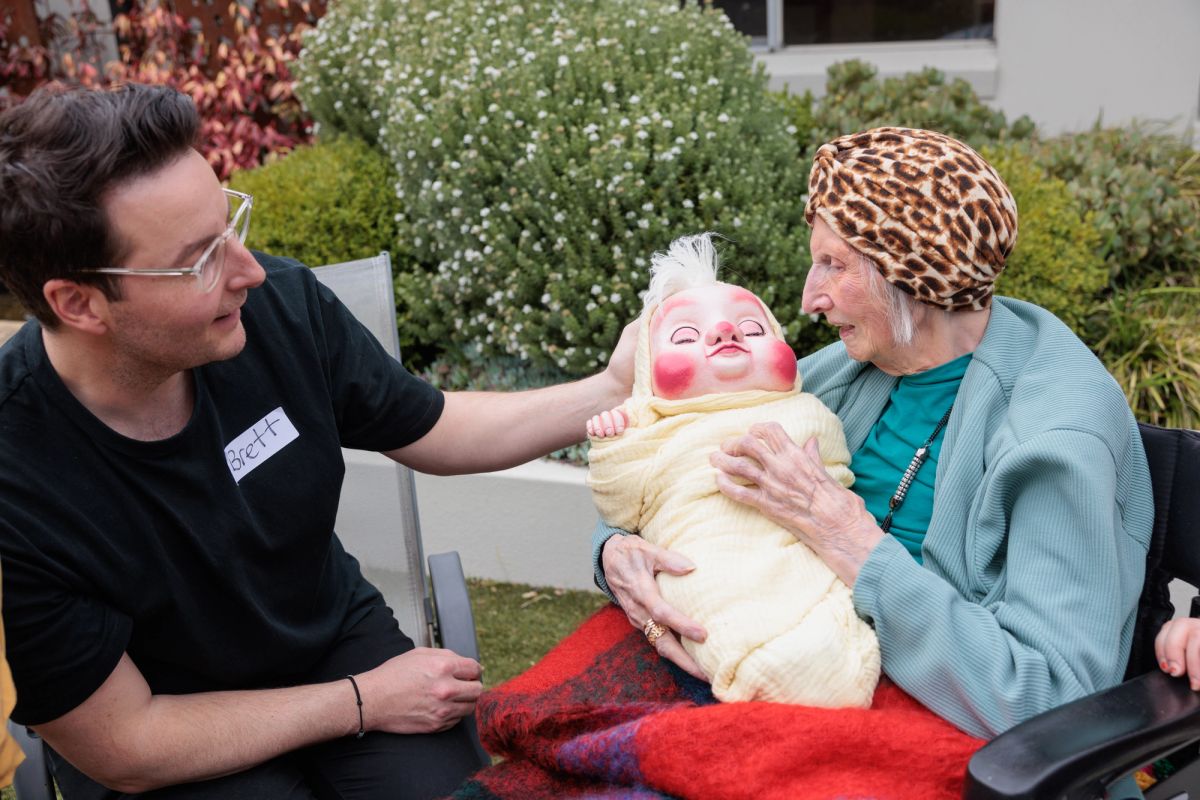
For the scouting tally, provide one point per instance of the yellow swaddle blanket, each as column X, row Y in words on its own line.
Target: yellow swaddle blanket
column 781, row 625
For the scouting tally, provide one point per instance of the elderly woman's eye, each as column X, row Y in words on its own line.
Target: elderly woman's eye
column 752, row 327
column 685, row 336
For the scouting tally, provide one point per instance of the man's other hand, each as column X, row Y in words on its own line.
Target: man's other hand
column 422, row 691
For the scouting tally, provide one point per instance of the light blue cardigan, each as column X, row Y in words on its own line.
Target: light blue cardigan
column 1035, row 555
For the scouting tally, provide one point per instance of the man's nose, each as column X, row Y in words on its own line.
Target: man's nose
column 241, row 267
column 723, row 331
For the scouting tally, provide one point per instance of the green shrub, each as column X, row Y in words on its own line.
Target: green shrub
column 322, row 204
column 469, row 369
column 546, row 149
column 1151, row 345
column 1055, row 263
column 856, row 99
column 1143, row 189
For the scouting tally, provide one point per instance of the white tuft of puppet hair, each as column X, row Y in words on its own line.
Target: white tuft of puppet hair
column 690, row 262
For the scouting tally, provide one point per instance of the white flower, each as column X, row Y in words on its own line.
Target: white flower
column 596, row 290
column 722, row 117
column 634, row 99
column 563, row 61
column 614, row 298
column 437, row 141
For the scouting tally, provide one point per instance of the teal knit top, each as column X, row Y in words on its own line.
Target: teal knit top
column 914, row 408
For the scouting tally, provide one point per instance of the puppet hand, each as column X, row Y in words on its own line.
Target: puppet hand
column 610, row 423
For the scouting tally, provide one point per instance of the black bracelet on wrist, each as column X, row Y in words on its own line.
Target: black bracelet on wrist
column 362, row 731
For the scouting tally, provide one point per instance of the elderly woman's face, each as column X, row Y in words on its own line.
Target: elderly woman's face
column 838, row 287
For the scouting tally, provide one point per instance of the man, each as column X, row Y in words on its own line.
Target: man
column 176, row 620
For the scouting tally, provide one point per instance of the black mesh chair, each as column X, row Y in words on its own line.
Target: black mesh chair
column 1073, row 751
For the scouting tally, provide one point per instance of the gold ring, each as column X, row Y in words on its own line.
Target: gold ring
column 653, row 630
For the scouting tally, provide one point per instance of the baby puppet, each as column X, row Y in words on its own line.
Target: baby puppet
column 711, row 362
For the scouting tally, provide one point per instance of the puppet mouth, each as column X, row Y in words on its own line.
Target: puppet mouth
column 728, row 349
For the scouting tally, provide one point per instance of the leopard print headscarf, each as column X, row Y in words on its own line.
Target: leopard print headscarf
column 927, row 209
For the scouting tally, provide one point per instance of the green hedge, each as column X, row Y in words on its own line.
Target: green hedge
column 322, row 204
column 1143, row 189
column 1056, row 263
column 545, row 150
column 857, row 99
column 535, row 171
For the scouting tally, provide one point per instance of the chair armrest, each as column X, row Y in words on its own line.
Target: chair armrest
column 456, row 625
column 1074, row 750
column 452, row 606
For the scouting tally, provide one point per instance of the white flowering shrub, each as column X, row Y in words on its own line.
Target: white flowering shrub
column 545, row 148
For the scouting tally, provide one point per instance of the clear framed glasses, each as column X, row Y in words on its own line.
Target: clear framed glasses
column 208, row 268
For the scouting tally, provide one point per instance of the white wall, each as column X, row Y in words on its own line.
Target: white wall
column 1065, row 63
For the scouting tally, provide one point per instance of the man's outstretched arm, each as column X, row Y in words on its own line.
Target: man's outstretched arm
column 484, row 431
column 133, row 741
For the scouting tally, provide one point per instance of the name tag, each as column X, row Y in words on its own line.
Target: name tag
column 262, row 440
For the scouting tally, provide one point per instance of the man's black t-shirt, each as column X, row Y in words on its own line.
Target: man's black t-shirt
column 210, row 556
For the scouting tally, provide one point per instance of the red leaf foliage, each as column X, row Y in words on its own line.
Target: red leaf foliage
column 242, row 85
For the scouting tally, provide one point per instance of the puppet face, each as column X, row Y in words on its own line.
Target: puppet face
column 713, row 339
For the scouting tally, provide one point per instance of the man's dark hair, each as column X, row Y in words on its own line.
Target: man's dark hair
column 60, row 151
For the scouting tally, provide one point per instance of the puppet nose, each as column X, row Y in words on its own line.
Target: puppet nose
column 723, row 331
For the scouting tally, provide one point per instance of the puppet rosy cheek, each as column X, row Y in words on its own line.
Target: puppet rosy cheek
column 783, row 363
column 673, row 375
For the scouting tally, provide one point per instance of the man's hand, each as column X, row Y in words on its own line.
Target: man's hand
column 630, row 564
column 421, row 691
column 131, row 740
column 621, row 362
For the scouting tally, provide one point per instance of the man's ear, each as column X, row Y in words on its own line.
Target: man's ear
column 78, row 306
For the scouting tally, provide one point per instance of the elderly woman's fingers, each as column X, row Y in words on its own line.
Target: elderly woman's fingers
column 669, row 648
column 630, row 564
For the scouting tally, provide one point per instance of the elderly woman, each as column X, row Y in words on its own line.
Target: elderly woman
column 996, row 534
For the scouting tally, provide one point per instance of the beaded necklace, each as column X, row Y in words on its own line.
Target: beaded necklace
column 910, row 473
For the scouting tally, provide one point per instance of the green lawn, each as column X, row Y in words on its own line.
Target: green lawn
column 516, row 626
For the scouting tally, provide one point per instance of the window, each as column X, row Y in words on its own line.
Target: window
column 776, row 23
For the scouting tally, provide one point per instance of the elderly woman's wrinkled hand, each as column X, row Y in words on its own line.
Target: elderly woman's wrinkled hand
column 630, row 564
column 788, row 483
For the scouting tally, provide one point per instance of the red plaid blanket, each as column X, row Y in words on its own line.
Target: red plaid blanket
column 602, row 716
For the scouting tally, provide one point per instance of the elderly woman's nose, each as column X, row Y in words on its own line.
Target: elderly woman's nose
column 723, row 331
column 814, row 300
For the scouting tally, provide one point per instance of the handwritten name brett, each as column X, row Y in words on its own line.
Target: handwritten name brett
column 258, row 443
